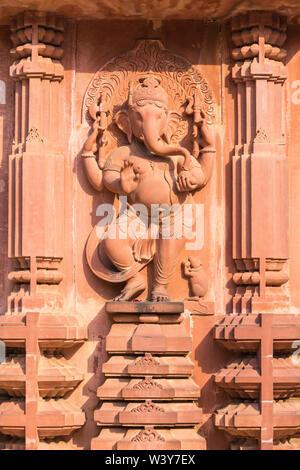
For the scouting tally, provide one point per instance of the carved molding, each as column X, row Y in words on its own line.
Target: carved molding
column 148, row 435
column 147, row 384
column 246, row 34
column 35, row 161
column 148, row 360
column 37, row 39
column 147, row 407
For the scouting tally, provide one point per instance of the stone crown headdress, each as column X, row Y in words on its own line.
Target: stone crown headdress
column 148, row 88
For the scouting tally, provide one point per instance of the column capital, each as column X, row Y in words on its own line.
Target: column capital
column 37, row 46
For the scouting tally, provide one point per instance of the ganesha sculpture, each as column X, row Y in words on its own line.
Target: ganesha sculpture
column 147, row 170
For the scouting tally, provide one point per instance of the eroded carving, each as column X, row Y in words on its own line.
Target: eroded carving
column 147, row 384
column 34, row 135
column 148, row 435
column 148, row 360
column 147, row 407
column 261, row 136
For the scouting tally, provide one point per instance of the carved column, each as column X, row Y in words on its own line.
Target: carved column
column 36, row 331
column 260, row 178
column 261, row 322
column 259, row 164
column 36, row 173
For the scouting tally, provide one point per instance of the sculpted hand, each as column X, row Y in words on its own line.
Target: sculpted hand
column 206, row 139
column 91, row 142
column 186, row 181
column 129, row 177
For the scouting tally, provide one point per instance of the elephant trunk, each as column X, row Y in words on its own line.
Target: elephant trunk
column 153, row 143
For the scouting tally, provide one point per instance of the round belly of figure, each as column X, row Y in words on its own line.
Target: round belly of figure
column 153, row 189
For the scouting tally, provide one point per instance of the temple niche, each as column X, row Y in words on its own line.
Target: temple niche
column 163, row 107
column 149, row 223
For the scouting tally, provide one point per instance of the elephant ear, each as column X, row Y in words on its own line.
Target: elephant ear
column 172, row 124
column 123, row 122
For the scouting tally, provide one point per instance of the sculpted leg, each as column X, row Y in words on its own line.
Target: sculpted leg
column 165, row 261
column 120, row 254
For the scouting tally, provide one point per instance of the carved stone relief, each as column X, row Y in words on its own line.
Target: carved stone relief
column 150, row 143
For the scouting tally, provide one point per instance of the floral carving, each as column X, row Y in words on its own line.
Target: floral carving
column 178, row 76
column 34, row 135
column 148, row 360
column 148, row 435
column 147, row 384
column 147, row 407
column 261, row 136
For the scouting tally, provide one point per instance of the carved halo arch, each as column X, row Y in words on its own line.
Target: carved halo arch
column 178, row 77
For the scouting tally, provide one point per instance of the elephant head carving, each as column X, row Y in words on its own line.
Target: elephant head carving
column 149, row 120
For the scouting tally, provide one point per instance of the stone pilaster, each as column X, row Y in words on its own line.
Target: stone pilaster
column 36, row 167
column 36, row 331
column 260, row 239
column 259, row 163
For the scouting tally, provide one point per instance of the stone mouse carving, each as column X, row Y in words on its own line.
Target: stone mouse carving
column 197, row 278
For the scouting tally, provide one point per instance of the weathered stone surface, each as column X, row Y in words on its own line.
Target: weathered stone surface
column 148, row 338
column 55, row 378
column 56, row 332
column 145, row 307
column 148, row 439
column 244, row 331
column 73, row 87
column 242, row 378
column 148, row 412
column 148, row 388
column 54, row 418
column 148, row 364
column 180, row 9
column 244, row 419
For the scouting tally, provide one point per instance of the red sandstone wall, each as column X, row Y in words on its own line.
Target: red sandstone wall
column 6, row 130
column 293, row 117
column 89, row 45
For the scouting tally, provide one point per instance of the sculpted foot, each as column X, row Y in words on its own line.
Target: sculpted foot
column 159, row 294
column 135, row 286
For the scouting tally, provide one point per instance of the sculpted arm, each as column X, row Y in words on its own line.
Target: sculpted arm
column 93, row 172
column 194, row 178
column 208, row 151
column 91, row 167
column 116, row 174
column 200, row 171
column 112, row 181
column 119, row 174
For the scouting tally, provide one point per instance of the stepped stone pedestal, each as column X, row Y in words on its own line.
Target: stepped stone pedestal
column 149, row 399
